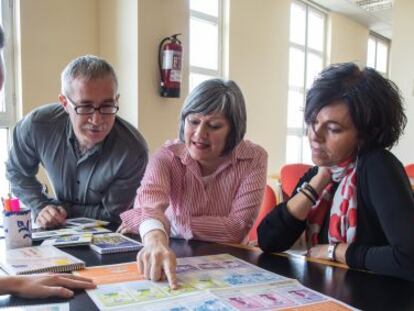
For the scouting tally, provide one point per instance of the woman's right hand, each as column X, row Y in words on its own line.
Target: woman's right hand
column 321, row 179
column 299, row 205
column 156, row 260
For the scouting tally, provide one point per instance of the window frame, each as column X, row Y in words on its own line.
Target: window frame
column 219, row 21
column 8, row 96
column 300, row 132
column 387, row 42
column 8, row 118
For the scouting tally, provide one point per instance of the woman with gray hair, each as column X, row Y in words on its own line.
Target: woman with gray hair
column 208, row 185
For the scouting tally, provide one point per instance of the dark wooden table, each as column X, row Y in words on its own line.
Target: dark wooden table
column 360, row 289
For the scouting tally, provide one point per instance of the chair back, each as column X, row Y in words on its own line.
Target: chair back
column 409, row 169
column 269, row 202
column 290, row 175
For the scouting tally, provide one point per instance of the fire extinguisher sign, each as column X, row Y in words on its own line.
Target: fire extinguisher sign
column 167, row 57
column 175, row 76
column 172, row 62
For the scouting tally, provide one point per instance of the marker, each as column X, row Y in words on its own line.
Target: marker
column 14, row 205
column 6, row 204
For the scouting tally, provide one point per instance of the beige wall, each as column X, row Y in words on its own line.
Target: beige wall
column 158, row 116
column 127, row 33
column 107, row 28
column 258, row 51
column 118, row 43
column 52, row 33
column 347, row 40
column 402, row 71
column 258, row 62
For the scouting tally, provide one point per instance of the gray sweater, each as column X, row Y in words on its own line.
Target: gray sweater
column 101, row 184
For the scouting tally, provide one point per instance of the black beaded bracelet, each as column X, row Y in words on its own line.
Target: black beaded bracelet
column 334, row 250
column 312, row 191
column 302, row 190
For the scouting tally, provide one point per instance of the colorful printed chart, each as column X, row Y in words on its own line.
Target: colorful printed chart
column 218, row 282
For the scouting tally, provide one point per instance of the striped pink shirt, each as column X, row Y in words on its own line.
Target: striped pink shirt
column 220, row 209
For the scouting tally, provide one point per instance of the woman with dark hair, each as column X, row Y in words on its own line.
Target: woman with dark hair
column 356, row 205
column 208, row 185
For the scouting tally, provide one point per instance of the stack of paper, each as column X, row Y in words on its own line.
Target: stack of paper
column 73, row 227
column 70, row 240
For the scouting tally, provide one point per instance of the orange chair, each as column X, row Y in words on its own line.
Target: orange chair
column 268, row 203
column 290, row 175
column 409, row 169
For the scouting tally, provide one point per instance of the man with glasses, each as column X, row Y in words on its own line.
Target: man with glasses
column 94, row 159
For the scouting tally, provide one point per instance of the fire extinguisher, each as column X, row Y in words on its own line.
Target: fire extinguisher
column 169, row 60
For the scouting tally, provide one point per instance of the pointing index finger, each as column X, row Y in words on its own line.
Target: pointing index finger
column 169, row 269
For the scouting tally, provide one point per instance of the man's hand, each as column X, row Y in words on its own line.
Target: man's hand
column 156, row 260
column 51, row 216
column 47, row 285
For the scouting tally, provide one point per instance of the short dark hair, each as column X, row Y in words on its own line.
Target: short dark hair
column 374, row 102
column 1, row 38
column 218, row 95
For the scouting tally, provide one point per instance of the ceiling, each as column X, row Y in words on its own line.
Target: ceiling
column 375, row 14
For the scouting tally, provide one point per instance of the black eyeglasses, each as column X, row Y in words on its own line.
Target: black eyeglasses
column 107, row 108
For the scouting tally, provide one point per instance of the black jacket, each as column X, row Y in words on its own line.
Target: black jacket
column 385, row 219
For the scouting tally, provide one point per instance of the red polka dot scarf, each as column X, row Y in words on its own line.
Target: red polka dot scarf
column 342, row 207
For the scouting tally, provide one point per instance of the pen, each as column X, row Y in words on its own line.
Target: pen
column 6, row 205
column 14, row 205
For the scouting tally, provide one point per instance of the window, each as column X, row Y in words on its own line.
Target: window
column 378, row 50
column 306, row 59
column 7, row 113
column 205, row 40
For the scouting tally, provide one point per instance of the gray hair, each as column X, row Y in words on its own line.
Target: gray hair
column 222, row 96
column 88, row 67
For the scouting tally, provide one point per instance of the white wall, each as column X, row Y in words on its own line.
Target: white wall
column 402, row 71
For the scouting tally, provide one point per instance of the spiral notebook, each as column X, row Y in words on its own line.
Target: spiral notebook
column 38, row 259
column 113, row 243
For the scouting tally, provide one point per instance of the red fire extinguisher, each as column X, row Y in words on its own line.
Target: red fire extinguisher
column 169, row 60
